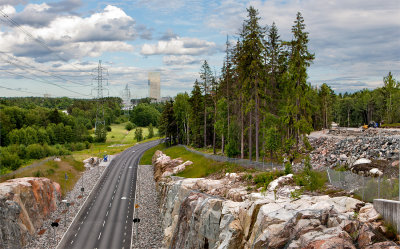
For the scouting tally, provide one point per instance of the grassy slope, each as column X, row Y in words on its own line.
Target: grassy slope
column 55, row 171
column 201, row 166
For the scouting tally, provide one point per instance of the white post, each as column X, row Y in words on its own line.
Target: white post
column 399, row 176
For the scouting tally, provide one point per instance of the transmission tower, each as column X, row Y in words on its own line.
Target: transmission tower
column 100, row 77
column 126, row 96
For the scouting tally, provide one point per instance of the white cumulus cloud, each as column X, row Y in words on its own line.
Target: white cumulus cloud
column 179, row 46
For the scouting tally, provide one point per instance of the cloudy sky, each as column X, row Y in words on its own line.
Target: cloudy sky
column 53, row 47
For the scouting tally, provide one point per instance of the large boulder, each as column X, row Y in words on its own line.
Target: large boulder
column 24, row 204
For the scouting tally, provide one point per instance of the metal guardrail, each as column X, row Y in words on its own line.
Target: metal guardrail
column 263, row 166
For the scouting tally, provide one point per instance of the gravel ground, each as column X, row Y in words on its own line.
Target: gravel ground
column 51, row 237
column 149, row 230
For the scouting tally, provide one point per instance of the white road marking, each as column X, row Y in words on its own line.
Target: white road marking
column 104, row 222
column 72, row 242
column 79, row 228
column 99, row 236
column 107, row 213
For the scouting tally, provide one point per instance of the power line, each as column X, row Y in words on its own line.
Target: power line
column 44, row 81
column 42, row 43
column 34, row 68
column 19, row 90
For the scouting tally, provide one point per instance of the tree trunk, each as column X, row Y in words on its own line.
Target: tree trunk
column 250, row 135
column 205, row 122
column 241, row 132
column 348, row 117
column 215, row 118
column 257, row 123
column 187, row 134
column 223, row 144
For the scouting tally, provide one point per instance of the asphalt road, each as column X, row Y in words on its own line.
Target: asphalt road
column 105, row 221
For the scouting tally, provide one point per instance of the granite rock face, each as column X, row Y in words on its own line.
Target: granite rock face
column 24, row 204
column 200, row 213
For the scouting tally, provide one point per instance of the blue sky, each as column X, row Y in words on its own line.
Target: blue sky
column 356, row 42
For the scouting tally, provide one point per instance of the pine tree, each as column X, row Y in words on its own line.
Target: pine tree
column 251, row 63
column 196, row 118
column 300, row 59
column 206, row 77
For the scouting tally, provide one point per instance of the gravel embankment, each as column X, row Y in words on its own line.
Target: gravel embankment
column 50, row 237
column 149, row 229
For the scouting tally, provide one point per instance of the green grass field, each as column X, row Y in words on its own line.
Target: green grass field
column 201, row 166
column 117, row 136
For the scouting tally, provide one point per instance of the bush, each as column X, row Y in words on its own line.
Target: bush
column 311, row 181
column 9, row 160
column 264, row 179
column 151, row 131
column 288, row 168
column 232, row 149
column 38, row 174
column 80, row 146
column 108, row 128
column 139, row 134
column 129, row 126
column 50, row 150
column 35, row 151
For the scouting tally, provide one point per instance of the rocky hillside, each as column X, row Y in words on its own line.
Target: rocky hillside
column 24, row 204
column 221, row 213
column 345, row 147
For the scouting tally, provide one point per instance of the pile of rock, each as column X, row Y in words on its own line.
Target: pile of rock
column 208, row 213
column 330, row 151
column 25, row 203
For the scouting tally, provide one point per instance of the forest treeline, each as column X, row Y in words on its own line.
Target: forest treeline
column 262, row 105
column 36, row 127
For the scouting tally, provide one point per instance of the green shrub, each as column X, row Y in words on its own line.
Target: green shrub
column 35, row 151
column 50, row 150
column 311, row 180
column 80, row 146
column 9, row 160
column 288, row 168
column 139, row 134
column 38, row 174
column 232, row 149
column 294, row 195
column 151, row 131
column 50, row 172
column 264, row 179
column 129, row 126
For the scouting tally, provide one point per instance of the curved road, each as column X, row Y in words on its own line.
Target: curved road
column 105, row 220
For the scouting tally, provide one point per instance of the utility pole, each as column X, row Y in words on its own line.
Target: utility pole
column 101, row 74
column 126, row 96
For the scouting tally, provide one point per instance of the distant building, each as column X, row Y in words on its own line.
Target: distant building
column 154, row 86
column 165, row 99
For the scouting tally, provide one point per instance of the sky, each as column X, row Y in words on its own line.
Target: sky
column 54, row 47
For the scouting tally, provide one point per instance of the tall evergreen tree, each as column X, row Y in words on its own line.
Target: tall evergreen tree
column 300, row 59
column 206, row 77
column 252, row 64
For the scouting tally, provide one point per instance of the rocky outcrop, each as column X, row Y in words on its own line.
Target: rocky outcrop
column 24, row 204
column 200, row 213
